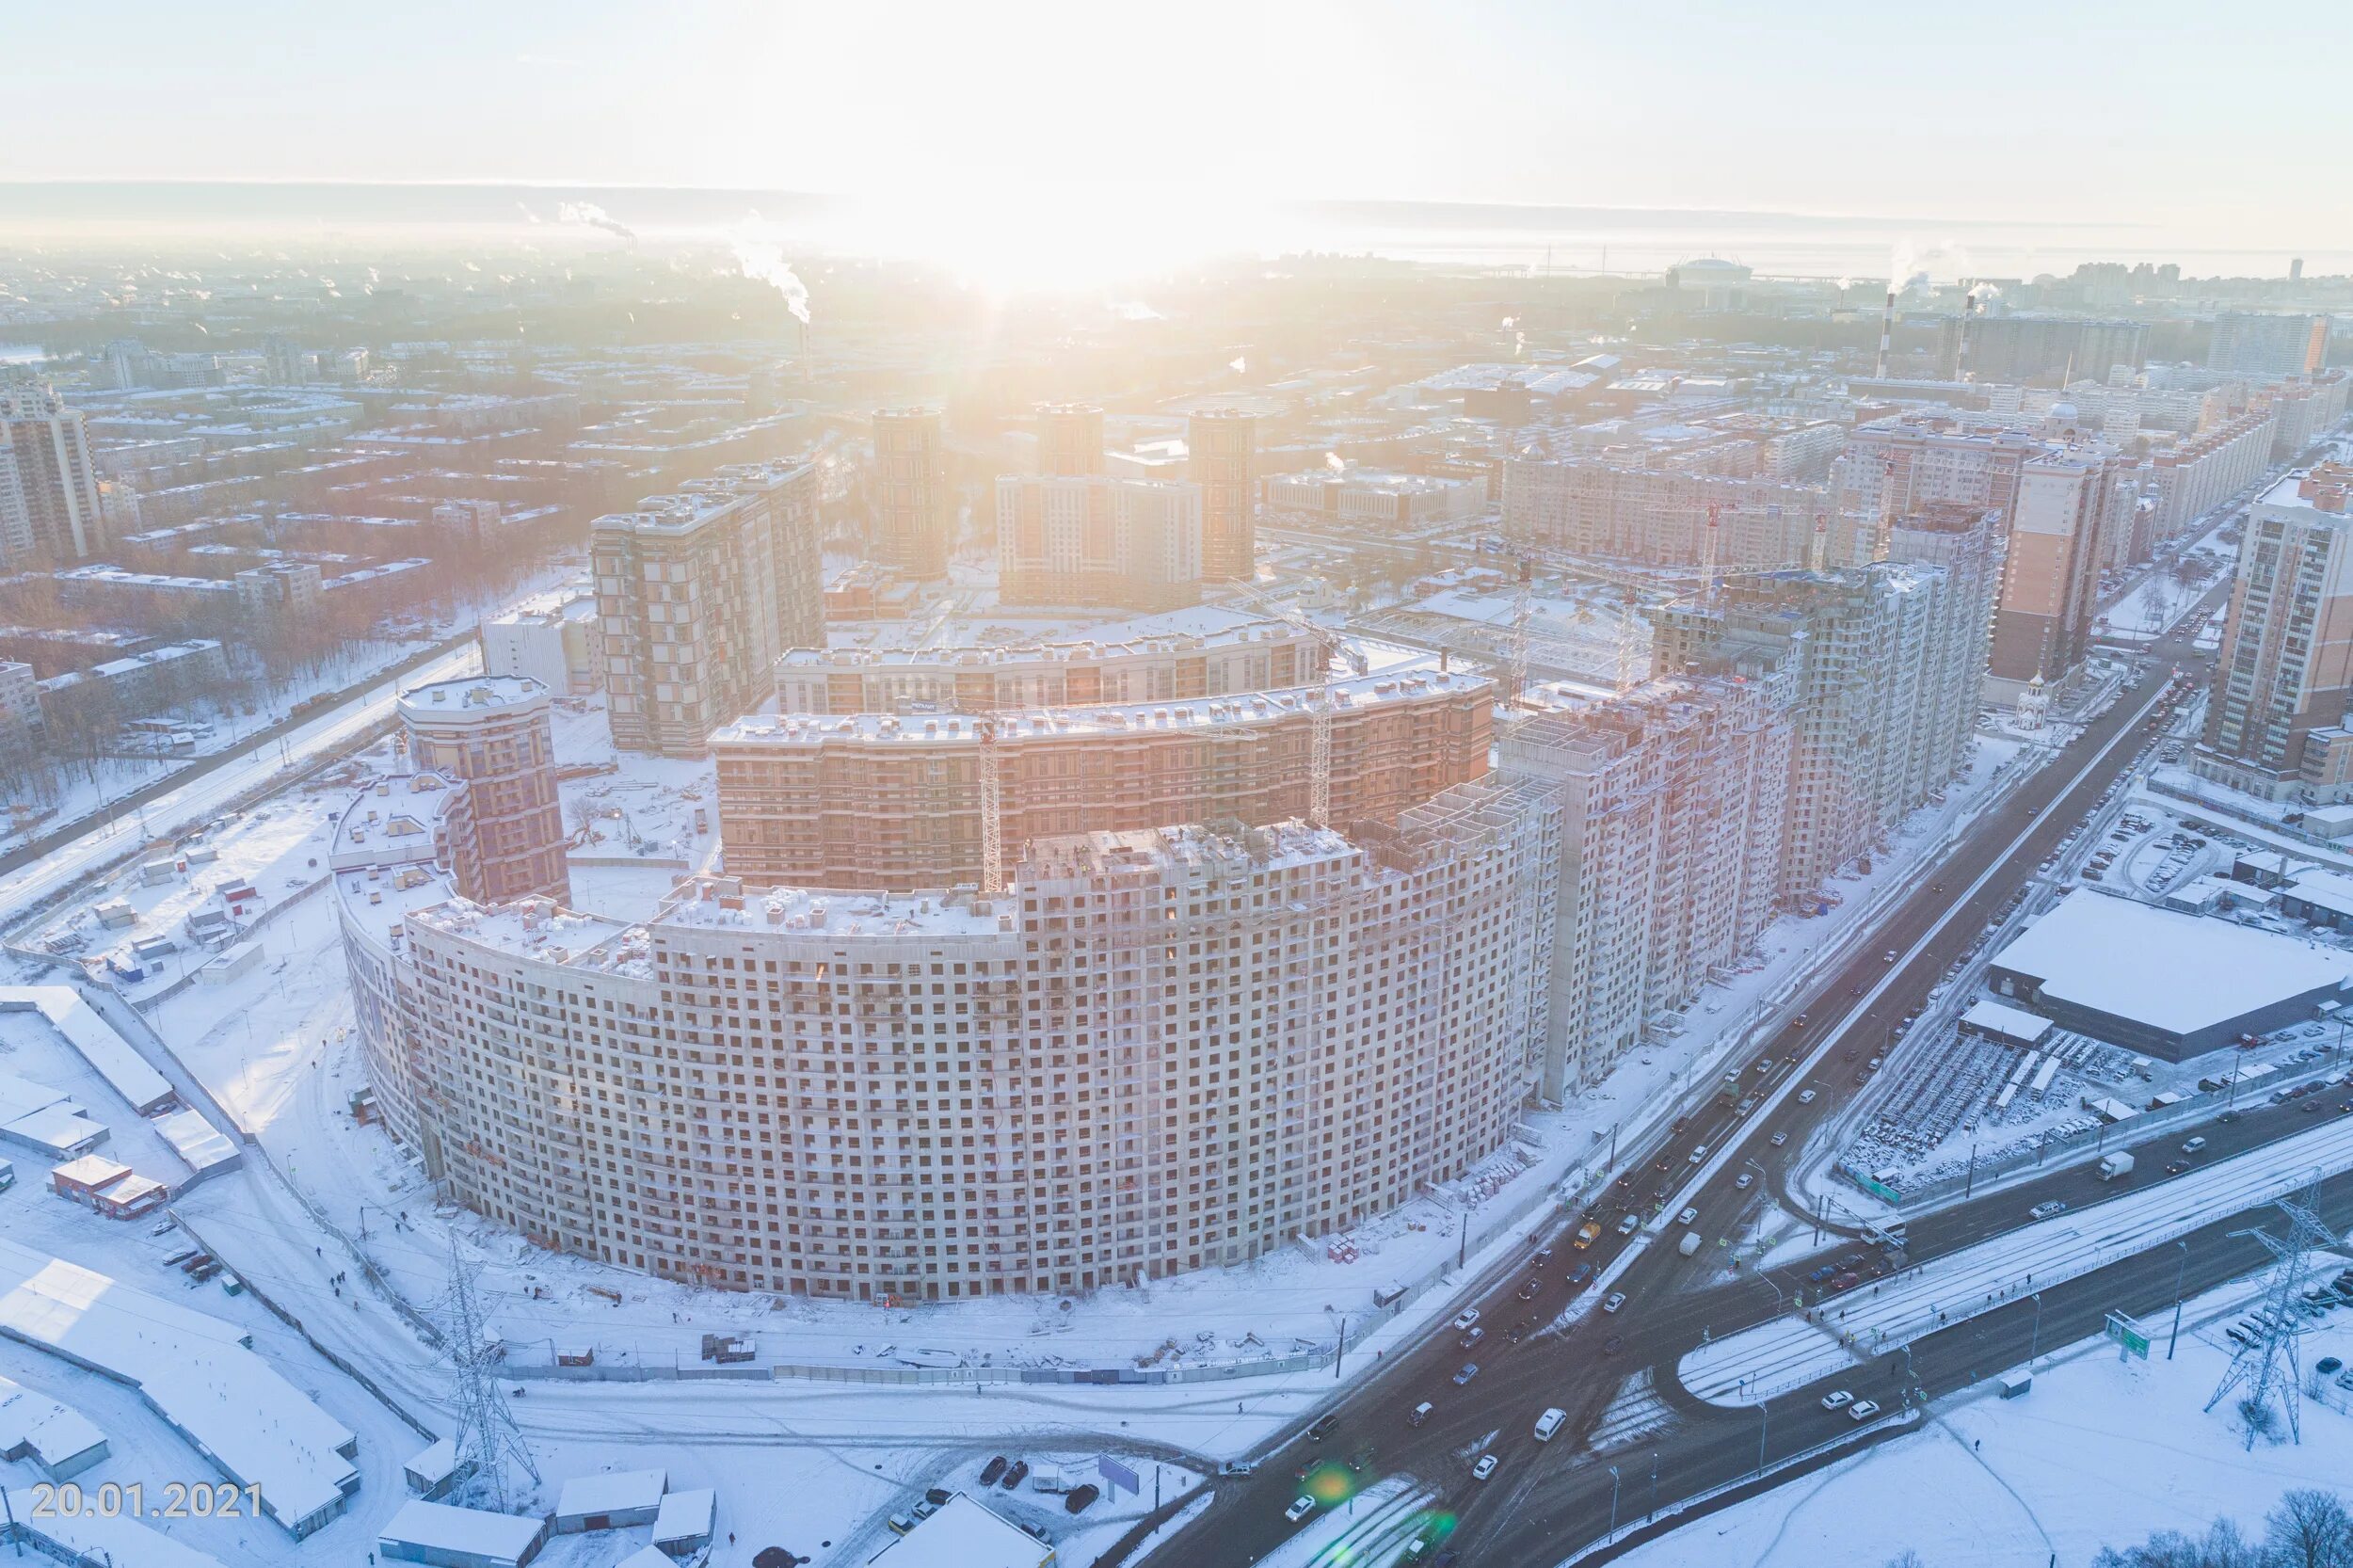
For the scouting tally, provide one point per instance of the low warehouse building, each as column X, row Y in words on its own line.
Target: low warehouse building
column 2164, row 984
column 60, row 1441
column 610, row 1500
column 460, row 1537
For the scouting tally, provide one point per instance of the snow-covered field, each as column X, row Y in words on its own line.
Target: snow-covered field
column 2100, row 1453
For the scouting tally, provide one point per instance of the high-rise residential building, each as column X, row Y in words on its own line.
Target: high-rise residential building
column 50, row 509
column 880, row 800
column 283, row 361
column 915, row 510
column 1875, row 667
column 1091, row 539
column 1660, row 516
column 2054, row 499
column 2303, row 409
column 493, row 734
column 2191, row 477
column 2251, row 342
column 2276, row 723
column 1966, row 544
column 20, row 716
column 698, row 594
column 1223, row 459
column 1348, row 1020
column 1069, row 440
column 2023, row 348
column 1673, row 811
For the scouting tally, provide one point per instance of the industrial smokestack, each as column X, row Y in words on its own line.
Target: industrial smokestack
column 1887, row 329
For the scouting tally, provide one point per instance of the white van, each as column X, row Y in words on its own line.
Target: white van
column 1548, row 1423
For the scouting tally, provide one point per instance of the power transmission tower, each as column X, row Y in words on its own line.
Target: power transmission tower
column 485, row 1438
column 2266, row 1367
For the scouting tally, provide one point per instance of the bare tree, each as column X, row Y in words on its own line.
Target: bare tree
column 2309, row 1528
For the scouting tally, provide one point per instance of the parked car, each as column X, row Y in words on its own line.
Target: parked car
column 1835, row 1398
column 1016, row 1473
column 993, row 1469
column 1862, row 1411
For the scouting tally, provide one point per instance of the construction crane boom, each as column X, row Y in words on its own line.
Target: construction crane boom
column 992, row 814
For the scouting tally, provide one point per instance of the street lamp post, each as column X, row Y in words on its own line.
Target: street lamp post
column 1653, row 1485
column 1763, row 1428
column 2180, row 1270
column 1613, row 1504
column 2033, row 1346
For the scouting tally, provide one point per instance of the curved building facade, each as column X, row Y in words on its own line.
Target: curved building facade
column 1161, row 1050
column 881, row 800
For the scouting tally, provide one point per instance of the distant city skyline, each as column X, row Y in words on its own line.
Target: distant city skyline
column 970, row 122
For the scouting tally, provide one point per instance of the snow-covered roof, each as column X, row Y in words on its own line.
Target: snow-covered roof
column 2329, row 891
column 611, row 1491
column 443, row 1527
column 35, row 1423
column 2177, row 973
column 963, row 1535
column 686, row 1516
column 195, row 1370
column 195, row 1140
column 90, row 1536
column 2010, row 1023
column 95, row 1039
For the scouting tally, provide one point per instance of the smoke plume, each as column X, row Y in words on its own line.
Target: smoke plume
column 760, row 254
column 594, row 217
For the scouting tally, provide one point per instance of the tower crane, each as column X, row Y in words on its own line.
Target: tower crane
column 1523, row 610
column 1711, row 555
column 992, row 812
column 1629, row 642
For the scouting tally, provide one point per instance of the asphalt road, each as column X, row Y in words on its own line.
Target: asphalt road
column 1553, row 1498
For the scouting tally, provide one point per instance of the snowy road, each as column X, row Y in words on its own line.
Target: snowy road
column 1788, row 1352
column 257, row 764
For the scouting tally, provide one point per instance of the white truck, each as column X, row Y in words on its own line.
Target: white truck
column 1689, row 1244
column 2114, row 1165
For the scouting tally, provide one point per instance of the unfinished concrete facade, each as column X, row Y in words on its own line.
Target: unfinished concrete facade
column 1161, row 1050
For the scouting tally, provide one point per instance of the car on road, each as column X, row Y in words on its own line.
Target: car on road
column 1845, row 1280
column 1465, row 1318
column 2048, row 1208
column 1470, row 1371
column 1778, row 1139
column 1835, row 1398
column 1324, row 1426
column 1470, row 1338
column 1629, row 1224
column 1743, row 1182
column 1888, row 957
column 1862, row 1411
column 1805, row 1097
column 1528, row 1292
column 1689, row 1216
column 1746, row 1105
column 1825, row 1272
column 1699, row 1155
column 1612, row 1345
column 2176, row 1167
column 1613, row 1301
column 1485, row 1467
column 2193, row 1146
column 1544, row 1255
column 1300, row 1508
column 1419, row 1414
column 1581, row 1276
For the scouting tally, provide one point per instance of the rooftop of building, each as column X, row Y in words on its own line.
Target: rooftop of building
column 472, row 694
column 1242, row 631
column 697, row 502
column 1199, row 713
column 2324, row 487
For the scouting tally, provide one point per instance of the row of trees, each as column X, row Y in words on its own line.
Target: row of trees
column 2309, row 1528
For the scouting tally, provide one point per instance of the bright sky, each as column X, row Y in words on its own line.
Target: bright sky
column 2183, row 114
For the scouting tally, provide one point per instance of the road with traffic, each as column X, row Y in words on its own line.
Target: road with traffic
column 1555, row 1349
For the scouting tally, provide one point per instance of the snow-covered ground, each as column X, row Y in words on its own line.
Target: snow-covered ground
column 2100, row 1453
